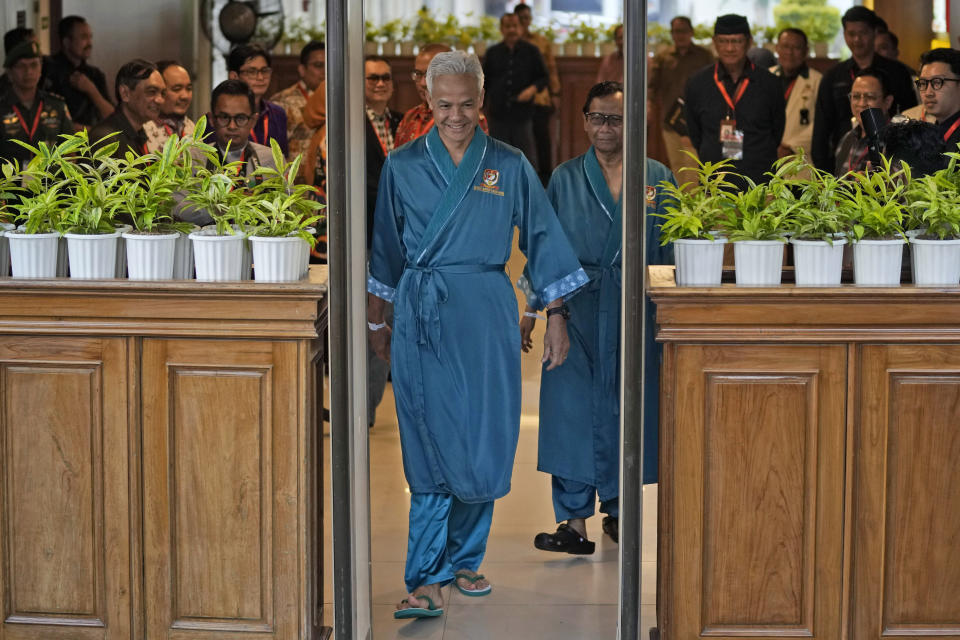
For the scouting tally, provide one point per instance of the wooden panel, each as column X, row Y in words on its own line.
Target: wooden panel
column 757, row 460
column 64, row 536
column 755, row 486
column 906, row 579
column 223, row 531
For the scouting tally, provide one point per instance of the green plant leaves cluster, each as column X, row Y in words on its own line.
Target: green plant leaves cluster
column 78, row 186
column 801, row 200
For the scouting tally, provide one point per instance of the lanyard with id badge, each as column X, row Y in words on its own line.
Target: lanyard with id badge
column 731, row 138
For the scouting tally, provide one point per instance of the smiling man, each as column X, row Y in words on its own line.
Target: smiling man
column 735, row 110
column 251, row 63
column 68, row 74
column 139, row 91
column 446, row 211
column 579, row 441
column 177, row 97
column 939, row 86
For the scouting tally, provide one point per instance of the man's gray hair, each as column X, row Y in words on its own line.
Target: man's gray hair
column 454, row 63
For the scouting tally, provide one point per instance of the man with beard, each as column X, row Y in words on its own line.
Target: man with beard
column 177, row 96
column 83, row 87
column 139, row 92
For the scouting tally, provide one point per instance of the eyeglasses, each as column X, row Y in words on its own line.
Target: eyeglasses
column 262, row 72
column 864, row 97
column 597, row 119
column 935, row 83
column 224, row 119
column 416, row 74
column 374, row 78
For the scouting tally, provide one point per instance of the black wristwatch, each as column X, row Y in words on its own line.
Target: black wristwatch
column 563, row 311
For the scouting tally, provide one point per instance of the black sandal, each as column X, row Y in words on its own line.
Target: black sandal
column 564, row 540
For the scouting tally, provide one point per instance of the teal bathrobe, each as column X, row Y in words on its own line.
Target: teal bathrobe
column 442, row 235
column 580, row 401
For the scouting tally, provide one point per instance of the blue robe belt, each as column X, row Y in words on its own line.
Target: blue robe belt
column 608, row 281
column 429, row 291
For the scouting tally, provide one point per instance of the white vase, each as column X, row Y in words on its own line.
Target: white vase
column 758, row 262
column 817, row 263
column 150, row 255
column 935, row 262
column 217, row 258
column 877, row 263
column 407, row 47
column 183, row 267
column 370, row 48
column 5, row 248
column 699, row 262
column 122, row 250
column 33, row 255
column 589, row 49
column 278, row 259
column 571, row 49
column 389, row 48
column 93, row 256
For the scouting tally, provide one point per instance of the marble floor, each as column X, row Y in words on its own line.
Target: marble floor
column 536, row 594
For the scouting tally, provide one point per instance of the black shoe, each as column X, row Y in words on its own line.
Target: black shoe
column 611, row 527
column 565, row 540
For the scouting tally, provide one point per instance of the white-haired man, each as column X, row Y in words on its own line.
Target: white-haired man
column 446, row 210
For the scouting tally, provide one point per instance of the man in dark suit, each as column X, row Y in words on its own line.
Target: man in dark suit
column 381, row 130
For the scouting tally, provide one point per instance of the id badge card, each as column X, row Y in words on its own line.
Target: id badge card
column 731, row 139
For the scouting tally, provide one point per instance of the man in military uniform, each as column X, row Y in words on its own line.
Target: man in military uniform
column 28, row 113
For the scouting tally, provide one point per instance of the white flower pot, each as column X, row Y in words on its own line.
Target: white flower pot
column 935, row 262
column 278, row 259
column 370, row 47
column 571, row 49
column 606, row 48
column 389, row 48
column 150, row 255
column 699, row 262
column 122, row 250
column 33, row 255
column 92, row 256
column 877, row 263
column 406, row 47
column 759, row 262
column 183, row 267
column 817, row 263
column 217, row 258
column 589, row 49
column 5, row 249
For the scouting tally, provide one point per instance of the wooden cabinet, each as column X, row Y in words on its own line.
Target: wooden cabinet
column 161, row 477
column 809, row 448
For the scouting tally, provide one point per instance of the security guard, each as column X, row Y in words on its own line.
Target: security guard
column 27, row 112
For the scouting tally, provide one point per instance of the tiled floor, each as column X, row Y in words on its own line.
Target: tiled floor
column 536, row 595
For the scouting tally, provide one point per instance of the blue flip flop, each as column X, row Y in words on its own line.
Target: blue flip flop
column 473, row 593
column 418, row 612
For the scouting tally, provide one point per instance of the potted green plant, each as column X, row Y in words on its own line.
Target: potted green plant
column 934, row 201
column 148, row 198
column 758, row 230
column 370, row 46
column 818, row 228
column 281, row 221
column 586, row 36
column 693, row 214
column 874, row 202
column 818, row 20
column 391, row 32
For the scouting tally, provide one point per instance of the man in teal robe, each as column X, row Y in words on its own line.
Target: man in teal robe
column 447, row 206
column 579, row 440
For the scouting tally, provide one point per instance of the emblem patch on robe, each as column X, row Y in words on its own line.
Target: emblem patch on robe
column 490, row 179
column 651, row 194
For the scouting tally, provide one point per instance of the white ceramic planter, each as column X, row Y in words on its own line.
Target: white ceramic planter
column 606, row 48
column 817, row 263
column 699, row 262
column 390, row 48
column 183, row 267
column 589, row 49
column 370, row 48
column 150, row 255
column 5, row 248
column 406, row 47
column 217, row 258
column 122, row 250
column 759, row 262
column 92, row 256
column 33, row 255
column 278, row 259
column 935, row 262
column 877, row 263
column 571, row 49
